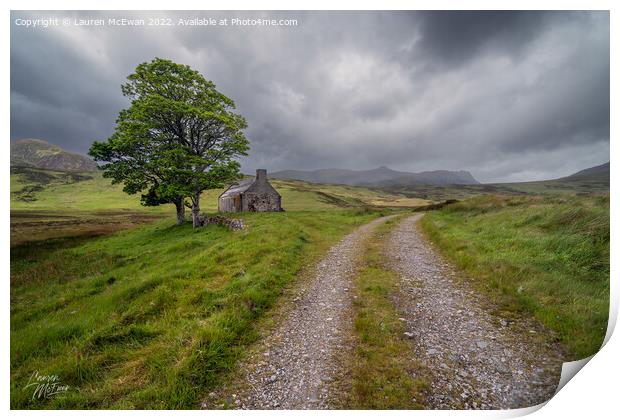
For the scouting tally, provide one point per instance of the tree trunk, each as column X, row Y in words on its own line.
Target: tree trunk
column 180, row 205
column 196, row 210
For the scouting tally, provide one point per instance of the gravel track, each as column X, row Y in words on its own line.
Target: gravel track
column 475, row 359
column 299, row 360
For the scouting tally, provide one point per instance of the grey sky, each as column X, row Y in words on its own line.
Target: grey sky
column 505, row 95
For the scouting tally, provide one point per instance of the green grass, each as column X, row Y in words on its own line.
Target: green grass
column 68, row 192
column 385, row 374
column 152, row 317
column 52, row 204
column 37, row 189
column 547, row 256
column 49, row 204
column 462, row 192
column 300, row 195
column 155, row 315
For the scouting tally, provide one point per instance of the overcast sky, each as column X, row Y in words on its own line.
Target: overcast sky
column 508, row 96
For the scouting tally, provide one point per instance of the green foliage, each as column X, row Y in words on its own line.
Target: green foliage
column 178, row 138
column 543, row 255
column 126, row 325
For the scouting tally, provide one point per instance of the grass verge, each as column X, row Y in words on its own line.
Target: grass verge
column 384, row 372
column 547, row 256
column 152, row 317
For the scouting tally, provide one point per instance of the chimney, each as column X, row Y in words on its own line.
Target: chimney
column 261, row 175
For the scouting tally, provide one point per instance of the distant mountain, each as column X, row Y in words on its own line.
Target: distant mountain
column 599, row 173
column 382, row 176
column 41, row 154
column 432, row 178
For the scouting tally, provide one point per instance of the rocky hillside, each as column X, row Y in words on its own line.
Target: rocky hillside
column 41, row 154
column 382, row 176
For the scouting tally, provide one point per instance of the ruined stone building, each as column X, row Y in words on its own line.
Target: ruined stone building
column 252, row 194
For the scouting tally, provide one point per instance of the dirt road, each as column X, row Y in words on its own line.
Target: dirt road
column 476, row 359
column 473, row 359
column 297, row 363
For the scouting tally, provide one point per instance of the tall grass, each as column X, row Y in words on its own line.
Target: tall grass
column 547, row 256
column 152, row 317
column 385, row 372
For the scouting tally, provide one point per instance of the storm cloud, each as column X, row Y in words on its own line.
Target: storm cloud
column 505, row 95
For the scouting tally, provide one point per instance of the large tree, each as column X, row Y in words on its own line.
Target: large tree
column 178, row 138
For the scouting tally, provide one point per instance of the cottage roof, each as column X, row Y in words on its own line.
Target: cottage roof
column 238, row 187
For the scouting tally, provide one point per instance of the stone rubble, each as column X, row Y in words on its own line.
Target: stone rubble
column 232, row 224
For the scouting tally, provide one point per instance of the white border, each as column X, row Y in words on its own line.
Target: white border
column 591, row 394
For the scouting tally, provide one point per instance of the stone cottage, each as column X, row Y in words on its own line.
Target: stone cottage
column 253, row 194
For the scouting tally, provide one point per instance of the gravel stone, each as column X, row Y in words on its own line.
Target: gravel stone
column 318, row 328
column 474, row 357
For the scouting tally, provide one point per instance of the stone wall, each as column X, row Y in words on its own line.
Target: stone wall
column 232, row 224
column 263, row 201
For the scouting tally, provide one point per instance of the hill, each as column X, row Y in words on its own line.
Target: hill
column 51, row 204
column 378, row 177
column 40, row 189
column 598, row 173
column 431, row 178
column 587, row 181
column 41, row 154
